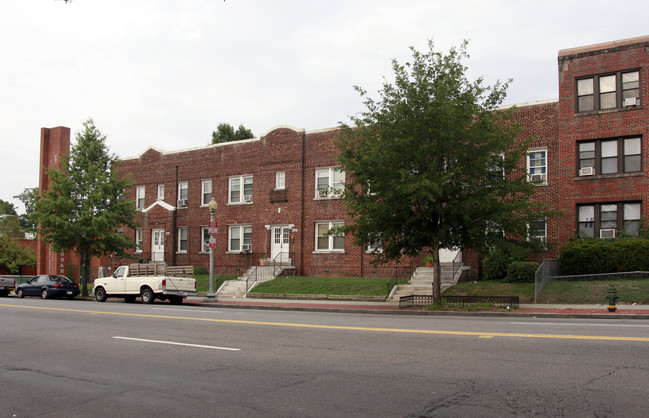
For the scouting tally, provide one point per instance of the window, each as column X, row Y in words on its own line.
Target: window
column 139, row 197
column 139, row 238
column 606, row 220
column 182, row 239
column 239, row 236
column 280, row 180
column 375, row 246
column 537, row 230
column 330, row 182
column 537, row 167
column 161, row 192
column 240, row 189
column 206, row 191
column 325, row 242
column 205, row 242
column 183, row 193
column 610, row 156
column 608, row 91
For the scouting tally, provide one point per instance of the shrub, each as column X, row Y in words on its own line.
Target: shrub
column 499, row 259
column 592, row 256
column 200, row 270
column 521, row 272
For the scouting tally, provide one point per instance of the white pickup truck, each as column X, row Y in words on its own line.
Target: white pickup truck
column 149, row 282
column 6, row 285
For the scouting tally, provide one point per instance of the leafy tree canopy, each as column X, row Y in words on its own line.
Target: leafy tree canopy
column 226, row 133
column 433, row 164
column 84, row 207
column 7, row 208
column 13, row 257
column 29, row 196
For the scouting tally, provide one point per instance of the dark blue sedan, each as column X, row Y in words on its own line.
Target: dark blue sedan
column 48, row 286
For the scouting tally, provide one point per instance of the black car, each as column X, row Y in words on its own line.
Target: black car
column 48, row 286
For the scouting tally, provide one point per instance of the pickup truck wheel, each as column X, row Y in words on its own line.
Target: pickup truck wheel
column 147, row 295
column 44, row 294
column 19, row 293
column 100, row 294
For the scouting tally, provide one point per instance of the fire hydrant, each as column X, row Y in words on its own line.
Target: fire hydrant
column 612, row 299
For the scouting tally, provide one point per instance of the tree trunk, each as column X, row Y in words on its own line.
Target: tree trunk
column 85, row 271
column 437, row 281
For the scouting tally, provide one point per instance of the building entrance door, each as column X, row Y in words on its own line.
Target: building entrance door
column 280, row 244
column 158, row 245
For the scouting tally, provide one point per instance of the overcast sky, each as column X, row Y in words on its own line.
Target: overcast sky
column 165, row 73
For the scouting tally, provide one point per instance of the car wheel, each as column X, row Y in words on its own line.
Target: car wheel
column 129, row 298
column 100, row 294
column 147, row 295
column 45, row 294
column 19, row 293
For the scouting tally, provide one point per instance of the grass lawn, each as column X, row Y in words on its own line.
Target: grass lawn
column 595, row 292
column 525, row 291
column 203, row 282
column 327, row 286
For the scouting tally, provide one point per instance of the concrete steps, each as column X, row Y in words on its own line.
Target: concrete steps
column 421, row 282
column 237, row 288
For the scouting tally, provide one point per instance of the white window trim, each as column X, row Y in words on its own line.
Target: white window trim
column 140, row 193
column 545, row 232
column 529, row 167
column 180, row 228
column 204, row 183
column 161, row 192
column 139, row 240
column 331, row 192
column 241, row 237
column 205, row 246
column 183, row 185
column 242, row 199
column 280, row 184
column 330, row 243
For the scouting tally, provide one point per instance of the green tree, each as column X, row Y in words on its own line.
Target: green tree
column 84, row 207
column 226, row 133
column 13, row 257
column 433, row 164
column 29, row 196
column 7, row 208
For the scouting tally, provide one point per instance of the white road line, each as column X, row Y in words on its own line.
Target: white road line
column 580, row 324
column 212, row 347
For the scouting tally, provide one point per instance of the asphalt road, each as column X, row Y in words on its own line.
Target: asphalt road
column 77, row 358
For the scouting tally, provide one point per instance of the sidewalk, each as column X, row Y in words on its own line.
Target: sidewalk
column 528, row 310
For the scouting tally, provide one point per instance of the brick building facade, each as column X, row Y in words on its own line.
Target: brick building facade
column 278, row 193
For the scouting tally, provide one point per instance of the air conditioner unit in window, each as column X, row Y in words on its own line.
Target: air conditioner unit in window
column 247, row 198
column 587, row 171
column 607, row 233
column 246, row 247
column 323, row 192
column 630, row 101
column 539, row 178
column 182, row 203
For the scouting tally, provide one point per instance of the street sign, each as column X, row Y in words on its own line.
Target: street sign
column 212, row 242
column 213, row 228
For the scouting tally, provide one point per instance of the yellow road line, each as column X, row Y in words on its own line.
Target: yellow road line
column 348, row 328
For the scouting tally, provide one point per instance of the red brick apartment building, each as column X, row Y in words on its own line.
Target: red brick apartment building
column 277, row 193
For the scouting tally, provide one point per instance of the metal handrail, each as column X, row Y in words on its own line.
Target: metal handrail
column 457, row 263
column 278, row 264
column 255, row 273
column 218, row 276
column 392, row 277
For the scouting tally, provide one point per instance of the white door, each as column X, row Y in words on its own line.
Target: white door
column 446, row 255
column 280, row 244
column 158, row 245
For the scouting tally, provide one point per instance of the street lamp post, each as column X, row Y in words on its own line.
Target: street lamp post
column 212, row 231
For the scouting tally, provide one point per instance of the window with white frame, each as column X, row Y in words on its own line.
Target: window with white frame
column 607, row 220
column 206, row 191
column 240, row 189
column 608, row 91
column 538, row 230
column 375, row 246
column 329, row 182
column 183, row 193
column 161, row 192
column 205, row 241
column 610, row 156
column 139, row 239
column 280, row 180
column 326, row 242
column 139, row 197
column 182, row 239
column 239, row 238
column 537, row 165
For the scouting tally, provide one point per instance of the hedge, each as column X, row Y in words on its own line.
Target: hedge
column 592, row 256
column 521, row 272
